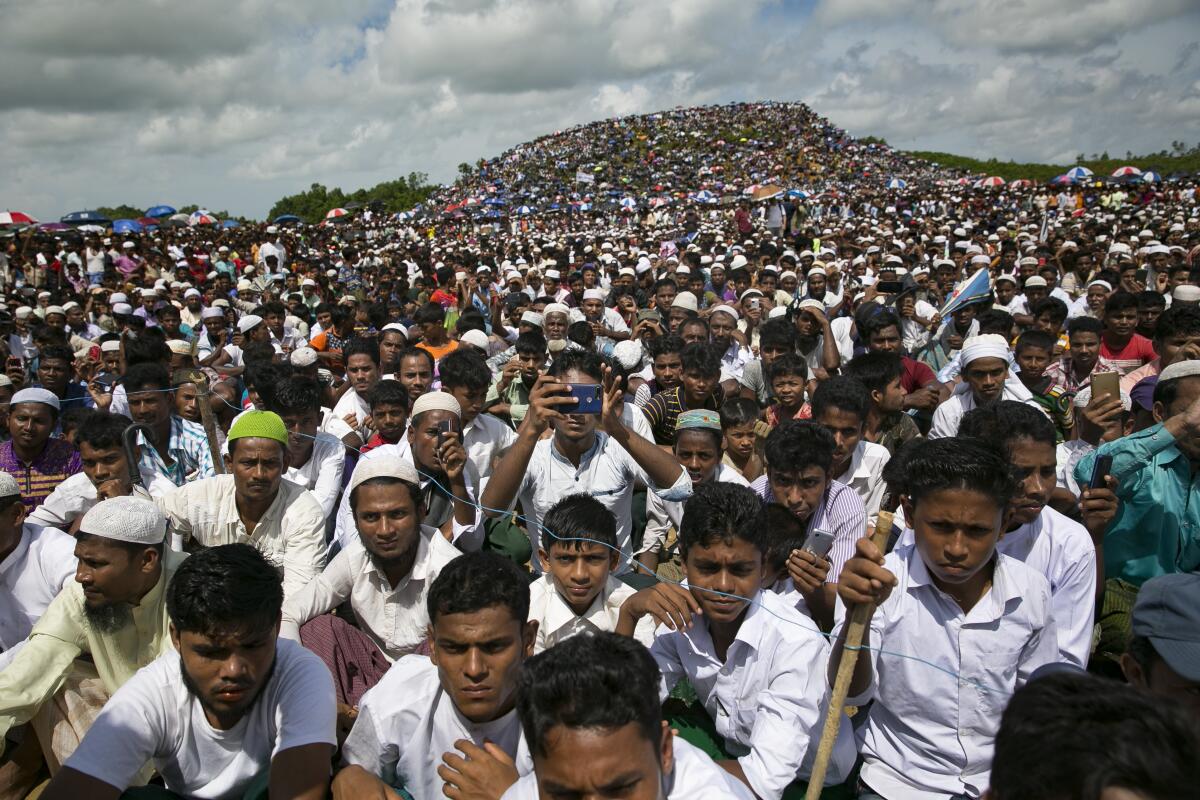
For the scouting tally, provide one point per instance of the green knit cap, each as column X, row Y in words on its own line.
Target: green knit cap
column 259, row 425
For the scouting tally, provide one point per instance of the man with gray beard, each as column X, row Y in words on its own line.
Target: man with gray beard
column 114, row 612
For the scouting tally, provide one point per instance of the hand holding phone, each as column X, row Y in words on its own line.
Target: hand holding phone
column 819, row 543
column 589, row 396
column 1100, row 472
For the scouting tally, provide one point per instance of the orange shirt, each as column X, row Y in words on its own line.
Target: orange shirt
column 439, row 353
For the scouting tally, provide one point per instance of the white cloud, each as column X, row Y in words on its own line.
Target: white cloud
column 234, row 104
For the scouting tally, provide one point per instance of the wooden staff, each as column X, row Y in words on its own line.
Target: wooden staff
column 208, row 419
column 860, row 615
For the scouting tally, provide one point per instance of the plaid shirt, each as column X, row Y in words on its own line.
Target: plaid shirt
column 1062, row 374
column 187, row 447
column 37, row 479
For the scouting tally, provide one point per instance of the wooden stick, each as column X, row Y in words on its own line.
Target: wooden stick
column 860, row 615
column 208, row 419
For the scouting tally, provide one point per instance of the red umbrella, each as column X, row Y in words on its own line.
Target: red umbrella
column 16, row 218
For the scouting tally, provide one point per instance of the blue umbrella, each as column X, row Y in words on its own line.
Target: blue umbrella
column 897, row 183
column 495, row 201
column 85, row 218
column 284, row 218
column 230, row 223
column 1151, row 177
column 126, row 226
column 523, row 210
column 159, row 211
column 797, row 194
column 1079, row 173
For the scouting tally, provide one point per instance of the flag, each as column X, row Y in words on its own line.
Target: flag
column 973, row 289
column 584, row 177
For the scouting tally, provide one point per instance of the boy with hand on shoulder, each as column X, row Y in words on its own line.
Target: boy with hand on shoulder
column 980, row 621
column 756, row 663
column 577, row 591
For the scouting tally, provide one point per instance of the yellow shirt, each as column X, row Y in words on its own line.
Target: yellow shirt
column 63, row 633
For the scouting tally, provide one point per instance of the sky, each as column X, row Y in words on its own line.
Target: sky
column 233, row 104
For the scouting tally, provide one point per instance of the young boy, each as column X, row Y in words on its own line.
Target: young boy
column 698, row 388
column 461, row 697
column 776, row 337
column 982, row 620
column 840, row 405
column 666, row 365
column 1073, row 371
column 755, row 662
column 1034, row 351
column 788, row 376
column 389, row 414
column 1121, row 343
column 739, row 420
column 621, row 747
column 465, row 376
column 577, row 591
column 887, row 424
column 508, row 396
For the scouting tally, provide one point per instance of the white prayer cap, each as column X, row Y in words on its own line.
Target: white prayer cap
column 593, row 294
column 383, row 467
column 1008, row 278
column 69, row 305
column 553, row 274
column 396, row 326
column 118, row 297
column 125, row 519
column 1098, row 282
column 1186, row 293
column 475, row 338
column 436, row 401
column 303, row 357
column 815, row 305
column 111, row 346
column 1035, row 280
column 777, row 311
column 628, row 353
column 685, row 300
column 192, row 293
column 532, row 318
column 8, row 486
column 1180, row 369
column 122, row 309
column 55, row 310
column 817, row 271
column 212, row 312
column 180, row 347
column 556, row 308
column 730, row 310
column 980, row 259
column 630, row 271
column 249, row 322
column 987, row 345
column 738, row 261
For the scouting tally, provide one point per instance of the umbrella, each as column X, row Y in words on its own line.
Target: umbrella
column 54, row 226
column 1023, row 183
column 16, row 218
column 201, row 217
column 148, row 222
column 1078, row 173
column 797, row 194
column 335, row 213
column 767, row 191
column 284, row 219
column 524, row 210
column 230, row 223
column 992, row 182
column 897, row 183
column 628, row 203
column 126, row 226
column 90, row 228
column 705, row 196
column 1125, row 172
column 1062, row 180
column 159, row 211
column 85, row 217
column 1151, row 177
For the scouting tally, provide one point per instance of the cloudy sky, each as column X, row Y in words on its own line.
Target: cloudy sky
column 234, row 103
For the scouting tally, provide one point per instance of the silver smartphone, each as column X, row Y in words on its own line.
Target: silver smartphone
column 818, row 543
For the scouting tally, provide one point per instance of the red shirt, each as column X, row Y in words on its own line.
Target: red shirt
column 915, row 374
column 1135, row 353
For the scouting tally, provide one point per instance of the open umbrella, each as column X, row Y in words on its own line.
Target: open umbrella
column 230, row 223
column 85, row 218
column 705, row 196
column 524, row 210
column 897, row 183
column 991, row 183
column 1126, row 172
column 284, row 219
column 159, row 211
column 1062, row 180
column 126, row 226
column 148, row 222
column 53, row 226
column 797, row 194
column 201, row 217
column 767, row 191
column 628, row 204
column 1023, row 183
column 1078, row 173
column 1151, row 177
column 8, row 218
column 336, row 213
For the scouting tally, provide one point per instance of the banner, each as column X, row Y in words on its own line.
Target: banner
column 584, row 177
column 972, row 290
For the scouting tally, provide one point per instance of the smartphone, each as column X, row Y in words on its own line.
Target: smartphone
column 1142, row 275
column 1100, row 471
column 755, row 302
column 106, row 379
column 818, row 543
column 591, row 400
column 444, row 427
column 889, row 287
column 1106, row 384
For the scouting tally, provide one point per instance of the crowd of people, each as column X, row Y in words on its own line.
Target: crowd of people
column 573, row 499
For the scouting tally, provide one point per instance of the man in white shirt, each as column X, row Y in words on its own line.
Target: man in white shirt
column 465, row 376
column 955, row 628
column 362, row 373
column 254, row 504
column 578, row 457
column 231, row 711
column 621, row 747
column 756, row 663
column 384, row 572
column 841, row 404
column 462, row 697
column 316, row 460
column 986, row 378
column 36, row 563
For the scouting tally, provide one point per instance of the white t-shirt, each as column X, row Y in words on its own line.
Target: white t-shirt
column 154, row 717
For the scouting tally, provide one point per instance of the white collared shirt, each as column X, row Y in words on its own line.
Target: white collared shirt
column 557, row 622
column 291, row 534
column 606, row 471
column 768, row 698
column 75, row 496
column 948, row 415
column 32, row 575
column 662, row 515
column 865, row 476
column 1068, row 454
column 322, row 473
column 1061, row 550
column 407, row 721
column 929, row 733
column 695, row 776
column 394, row 617
column 485, row 440
column 351, row 402
column 734, row 361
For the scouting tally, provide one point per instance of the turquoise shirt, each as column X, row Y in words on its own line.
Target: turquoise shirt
column 1157, row 527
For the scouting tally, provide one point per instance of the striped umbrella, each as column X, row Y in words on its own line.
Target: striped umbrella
column 335, row 213
column 1079, row 173
column 16, row 218
column 1126, row 172
column 705, row 196
column 991, row 183
column 202, row 217
column 628, row 203
column 1151, row 177
column 897, row 183
column 1023, row 183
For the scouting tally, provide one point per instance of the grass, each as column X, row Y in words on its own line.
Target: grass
column 1103, row 167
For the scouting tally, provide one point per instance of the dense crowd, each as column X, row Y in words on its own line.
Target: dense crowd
column 570, row 483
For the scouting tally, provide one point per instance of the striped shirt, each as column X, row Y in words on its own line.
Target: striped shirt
column 663, row 409
column 841, row 512
column 188, row 448
column 57, row 462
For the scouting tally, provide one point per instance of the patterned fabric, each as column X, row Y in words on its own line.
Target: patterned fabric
column 1061, row 373
column 57, row 462
column 664, row 409
column 1058, row 404
column 353, row 659
column 188, row 448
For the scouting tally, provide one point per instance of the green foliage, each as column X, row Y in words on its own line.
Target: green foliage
column 312, row 205
column 121, row 212
column 877, row 140
column 1182, row 159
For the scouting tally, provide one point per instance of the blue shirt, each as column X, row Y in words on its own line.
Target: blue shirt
column 188, row 448
column 1157, row 527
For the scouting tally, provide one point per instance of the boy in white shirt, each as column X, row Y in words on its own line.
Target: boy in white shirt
column 756, row 663
column 232, row 713
column 840, row 404
column 462, row 697
column 975, row 624
column 577, row 590
column 621, row 747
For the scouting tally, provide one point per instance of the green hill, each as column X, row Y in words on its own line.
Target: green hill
column 1182, row 159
